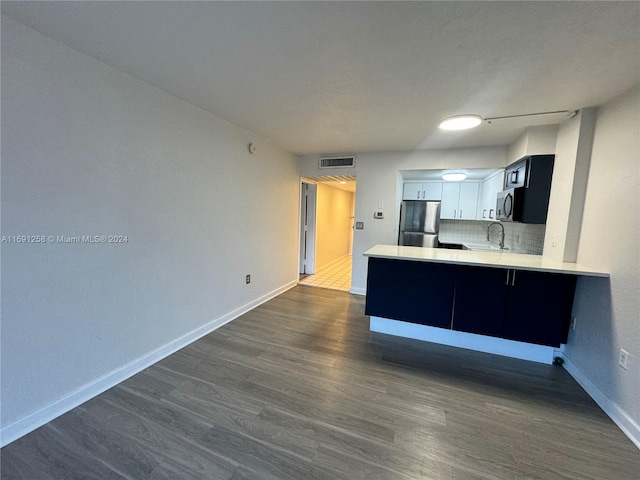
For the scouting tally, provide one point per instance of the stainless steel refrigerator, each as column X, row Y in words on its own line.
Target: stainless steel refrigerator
column 419, row 223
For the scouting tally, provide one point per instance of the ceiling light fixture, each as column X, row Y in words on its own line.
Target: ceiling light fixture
column 454, row 177
column 464, row 122
column 343, row 182
column 461, row 122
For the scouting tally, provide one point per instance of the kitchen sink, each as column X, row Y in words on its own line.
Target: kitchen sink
column 485, row 247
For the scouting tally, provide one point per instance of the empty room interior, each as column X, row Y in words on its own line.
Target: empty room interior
column 320, row 240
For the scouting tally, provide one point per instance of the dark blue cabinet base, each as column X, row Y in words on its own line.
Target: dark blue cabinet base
column 532, row 307
column 414, row 292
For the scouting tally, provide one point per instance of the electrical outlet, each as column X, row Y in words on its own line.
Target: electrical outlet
column 248, row 279
column 573, row 322
column 623, row 359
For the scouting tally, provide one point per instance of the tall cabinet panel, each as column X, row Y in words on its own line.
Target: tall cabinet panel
column 487, row 197
column 468, row 203
column 450, row 197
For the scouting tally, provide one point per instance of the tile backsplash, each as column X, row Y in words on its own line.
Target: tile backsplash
column 518, row 237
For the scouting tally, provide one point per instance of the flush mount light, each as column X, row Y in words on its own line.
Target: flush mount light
column 343, row 182
column 454, row 177
column 461, row 122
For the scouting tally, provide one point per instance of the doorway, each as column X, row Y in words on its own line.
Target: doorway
column 327, row 206
column 308, row 197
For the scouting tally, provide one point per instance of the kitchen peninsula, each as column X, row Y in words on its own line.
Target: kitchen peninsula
column 497, row 302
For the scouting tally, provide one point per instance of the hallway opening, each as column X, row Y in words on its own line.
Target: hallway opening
column 326, row 231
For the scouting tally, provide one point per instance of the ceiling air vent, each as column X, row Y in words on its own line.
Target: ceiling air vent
column 348, row 161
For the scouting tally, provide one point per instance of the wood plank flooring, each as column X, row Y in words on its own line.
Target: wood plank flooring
column 299, row 389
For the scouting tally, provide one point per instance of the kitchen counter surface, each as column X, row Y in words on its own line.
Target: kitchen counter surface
column 482, row 259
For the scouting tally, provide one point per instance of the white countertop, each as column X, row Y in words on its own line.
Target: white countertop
column 483, row 259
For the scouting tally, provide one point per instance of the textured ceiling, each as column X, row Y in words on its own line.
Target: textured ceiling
column 341, row 77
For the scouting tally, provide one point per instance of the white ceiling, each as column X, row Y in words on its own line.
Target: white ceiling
column 344, row 77
column 342, row 182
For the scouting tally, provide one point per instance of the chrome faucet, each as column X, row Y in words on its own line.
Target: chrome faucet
column 501, row 237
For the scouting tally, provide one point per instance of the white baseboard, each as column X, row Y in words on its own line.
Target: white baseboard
column 628, row 426
column 358, row 291
column 470, row 341
column 77, row 397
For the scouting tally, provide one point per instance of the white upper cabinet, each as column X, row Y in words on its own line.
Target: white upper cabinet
column 468, row 203
column 450, row 198
column 459, row 201
column 422, row 191
column 487, row 197
column 412, row 191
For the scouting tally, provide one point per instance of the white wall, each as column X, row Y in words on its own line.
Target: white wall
column 608, row 310
column 540, row 140
column 333, row 224
column 88, row 150
column 570, row 174
column 380, row 187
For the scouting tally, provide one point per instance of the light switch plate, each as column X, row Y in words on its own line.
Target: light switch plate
column 623, row 359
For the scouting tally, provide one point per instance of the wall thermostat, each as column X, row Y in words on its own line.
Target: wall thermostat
column 379, row 214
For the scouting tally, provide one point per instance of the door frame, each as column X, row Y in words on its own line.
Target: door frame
column 308, row 202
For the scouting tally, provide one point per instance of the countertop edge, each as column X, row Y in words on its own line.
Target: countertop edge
column 486, row 260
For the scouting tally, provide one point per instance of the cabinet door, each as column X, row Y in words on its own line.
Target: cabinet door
column 539, row 307
column 487, row 197
column 494, row 185
column 468, row 202
column 432, row 191
column 516, row 174
column 415, row 292
column 412, row 191
column 480, row 300
column 482, row 213
column 450, row 197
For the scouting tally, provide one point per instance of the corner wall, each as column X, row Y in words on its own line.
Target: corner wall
column 90, row 151
column 570, row 174
column 540, row 140
column 608, row 310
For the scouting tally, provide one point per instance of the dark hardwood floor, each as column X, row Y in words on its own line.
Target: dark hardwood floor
column 299, row 389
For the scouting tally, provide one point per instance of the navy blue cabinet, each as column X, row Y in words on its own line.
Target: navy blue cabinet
column 532, row 307
column 416, row 292
column 481, row 298
column 538, row 307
